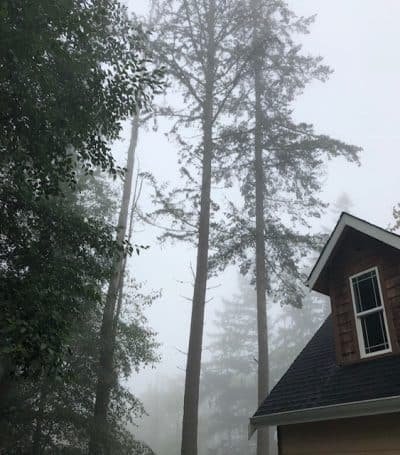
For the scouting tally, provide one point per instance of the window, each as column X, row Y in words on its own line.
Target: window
column 372, row 328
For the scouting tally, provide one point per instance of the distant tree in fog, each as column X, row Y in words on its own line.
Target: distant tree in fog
column 229, row 378
column 291, row 329
column 161, row 427
column 229, row 381
column 342, row 204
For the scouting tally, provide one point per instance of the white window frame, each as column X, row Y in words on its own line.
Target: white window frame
column 358, row 316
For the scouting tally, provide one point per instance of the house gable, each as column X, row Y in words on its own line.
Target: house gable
column 348, row 369
column 356, row 253
column 355, row 249
column 317, row 278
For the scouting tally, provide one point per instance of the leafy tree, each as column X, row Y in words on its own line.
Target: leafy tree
column 53, row 414
column 57, row 261
column 71, row 71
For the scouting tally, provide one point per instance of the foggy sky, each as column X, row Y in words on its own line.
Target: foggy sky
column 360, row 40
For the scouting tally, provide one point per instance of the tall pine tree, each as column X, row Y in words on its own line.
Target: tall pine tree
column 279, row 164
column 194, row 40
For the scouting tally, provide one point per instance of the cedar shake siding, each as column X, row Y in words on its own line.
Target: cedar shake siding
column 355, row 253
column 371, row 435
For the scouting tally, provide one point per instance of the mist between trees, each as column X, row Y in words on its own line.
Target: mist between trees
column 229, row 375
column 224, row 75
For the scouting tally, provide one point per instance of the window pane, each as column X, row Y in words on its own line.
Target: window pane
column 366, row 291
column 374, row 332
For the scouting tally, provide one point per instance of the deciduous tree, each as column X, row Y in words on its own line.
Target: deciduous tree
column 71, row 71
column 52, row 413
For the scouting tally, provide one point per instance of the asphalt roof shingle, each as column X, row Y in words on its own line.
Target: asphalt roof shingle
column 314, row 379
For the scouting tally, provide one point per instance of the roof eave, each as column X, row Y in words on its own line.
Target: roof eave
column 332, row 412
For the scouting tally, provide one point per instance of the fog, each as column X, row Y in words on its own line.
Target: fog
column 358, row 105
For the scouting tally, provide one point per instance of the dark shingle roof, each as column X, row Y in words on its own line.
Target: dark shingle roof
column 314, row 379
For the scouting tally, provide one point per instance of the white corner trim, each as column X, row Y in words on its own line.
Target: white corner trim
column 337, row 411
column 359, row 225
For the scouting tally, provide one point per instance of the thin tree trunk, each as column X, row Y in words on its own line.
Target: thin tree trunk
column 135, row 199
column 37, row 434
column 261, row 273
column 6, row 383
column 106, row 376
column 193, row 366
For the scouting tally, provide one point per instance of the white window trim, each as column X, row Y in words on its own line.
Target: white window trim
column 357, row 316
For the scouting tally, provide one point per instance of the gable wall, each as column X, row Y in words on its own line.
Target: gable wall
column 371, row 435
column 356, row 253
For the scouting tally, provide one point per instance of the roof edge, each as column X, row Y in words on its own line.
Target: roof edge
column 358, row 224
column 336, row 411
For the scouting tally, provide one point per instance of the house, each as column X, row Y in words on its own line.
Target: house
column 342, row 393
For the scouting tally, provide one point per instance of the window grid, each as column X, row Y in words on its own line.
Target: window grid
column 366, row 349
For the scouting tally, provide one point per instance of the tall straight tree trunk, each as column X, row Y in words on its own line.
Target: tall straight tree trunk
column 124, row 262
column 193, row 366
column 37, row 433
column 99, row 437
column 261, row 273
column 7, row 388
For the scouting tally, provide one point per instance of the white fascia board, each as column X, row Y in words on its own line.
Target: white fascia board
column 359, row 225
column 331, row 412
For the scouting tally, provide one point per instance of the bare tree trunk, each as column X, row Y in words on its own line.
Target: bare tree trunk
column 261, row 273
column 6, row 383
column 37, row 434
column 135, row 198
column 106, row 376
column 193, row 366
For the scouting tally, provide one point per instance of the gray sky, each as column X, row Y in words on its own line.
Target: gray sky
column 360, row 40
